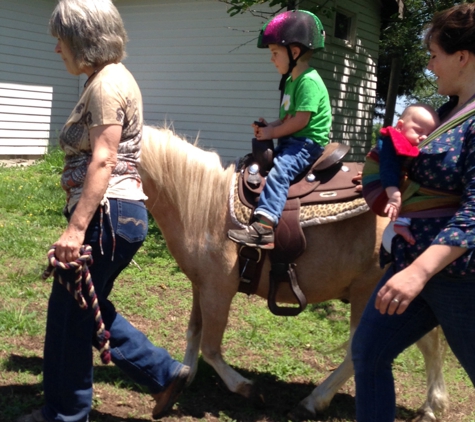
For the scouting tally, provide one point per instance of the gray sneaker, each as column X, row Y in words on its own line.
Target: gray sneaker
column 256, row 236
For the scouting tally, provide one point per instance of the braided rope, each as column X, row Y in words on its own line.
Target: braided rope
column 83, row 279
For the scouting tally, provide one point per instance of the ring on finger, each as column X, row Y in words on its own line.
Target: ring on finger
column 395, row 300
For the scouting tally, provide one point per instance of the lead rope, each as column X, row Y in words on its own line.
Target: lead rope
column 83, row 279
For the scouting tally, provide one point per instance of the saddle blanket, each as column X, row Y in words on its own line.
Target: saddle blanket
column 310, row 215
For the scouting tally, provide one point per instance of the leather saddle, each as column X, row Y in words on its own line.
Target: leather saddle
column 328, row 180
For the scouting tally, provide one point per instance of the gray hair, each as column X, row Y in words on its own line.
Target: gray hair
column 93, row 29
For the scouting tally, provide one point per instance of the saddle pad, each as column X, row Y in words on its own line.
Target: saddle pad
column 310, row 215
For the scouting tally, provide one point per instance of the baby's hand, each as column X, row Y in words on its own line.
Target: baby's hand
column 393, row 207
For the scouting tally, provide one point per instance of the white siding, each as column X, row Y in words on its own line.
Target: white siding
column 36, row 92
column 200, row 70
column 350, row 75
column 25, row 119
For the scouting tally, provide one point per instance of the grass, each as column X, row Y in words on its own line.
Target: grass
column 287, row 357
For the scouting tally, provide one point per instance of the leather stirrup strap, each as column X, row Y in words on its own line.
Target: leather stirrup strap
column 251, row 261
column 282, row 272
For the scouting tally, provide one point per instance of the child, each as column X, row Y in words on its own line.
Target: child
column 304, row 120
column 395, row 144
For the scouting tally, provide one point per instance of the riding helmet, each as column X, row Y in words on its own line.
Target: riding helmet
column 293, row 26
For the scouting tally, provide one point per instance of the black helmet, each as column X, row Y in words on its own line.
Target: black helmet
column 294, row 26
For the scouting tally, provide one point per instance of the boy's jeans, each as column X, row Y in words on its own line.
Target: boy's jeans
column 291, row 157
column 379, row 339
column 68, row 369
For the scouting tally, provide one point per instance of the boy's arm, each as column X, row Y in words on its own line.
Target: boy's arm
column 288, row 127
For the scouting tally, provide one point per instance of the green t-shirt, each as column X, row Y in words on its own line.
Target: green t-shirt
column 308, row 93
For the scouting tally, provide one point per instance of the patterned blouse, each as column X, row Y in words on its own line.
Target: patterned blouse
column 447, row 163
column 112, row 98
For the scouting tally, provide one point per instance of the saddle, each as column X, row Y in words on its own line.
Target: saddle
column 328, row 180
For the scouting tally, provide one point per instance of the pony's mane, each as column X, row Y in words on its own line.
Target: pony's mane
column 193, row 180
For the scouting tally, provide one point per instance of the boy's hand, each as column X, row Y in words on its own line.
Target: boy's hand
column 260, row 123
column 265, row 133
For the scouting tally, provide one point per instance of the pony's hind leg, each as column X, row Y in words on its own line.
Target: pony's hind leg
column 433, row 351
column 322, row 395
column 193, row 335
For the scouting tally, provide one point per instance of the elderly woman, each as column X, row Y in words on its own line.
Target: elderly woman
column 431, row 282
column 105, row 209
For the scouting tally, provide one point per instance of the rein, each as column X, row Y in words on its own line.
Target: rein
column 82, row 281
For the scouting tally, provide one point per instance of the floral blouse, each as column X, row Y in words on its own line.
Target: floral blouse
column 447, row 163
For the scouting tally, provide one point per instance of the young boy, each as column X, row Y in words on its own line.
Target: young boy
column 394, row 145
column 304, row 120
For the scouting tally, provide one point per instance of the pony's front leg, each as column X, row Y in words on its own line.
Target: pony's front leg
column 215, row 305
column 433, row 351
column 193, row 335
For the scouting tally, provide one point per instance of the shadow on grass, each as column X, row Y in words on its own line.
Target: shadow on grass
column 207, row 398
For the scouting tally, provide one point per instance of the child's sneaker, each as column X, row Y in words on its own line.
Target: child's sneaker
column 256, row 235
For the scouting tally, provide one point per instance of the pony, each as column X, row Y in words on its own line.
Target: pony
column 188, row 193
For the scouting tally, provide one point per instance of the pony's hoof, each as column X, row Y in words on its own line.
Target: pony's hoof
column 256, row 397
column 424, row 417
column 300, row 413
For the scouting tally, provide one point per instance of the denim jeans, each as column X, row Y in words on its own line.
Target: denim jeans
column 379, row 339
column 292, row 156
column 68, row 365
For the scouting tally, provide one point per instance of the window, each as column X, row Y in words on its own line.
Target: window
column 345, row 27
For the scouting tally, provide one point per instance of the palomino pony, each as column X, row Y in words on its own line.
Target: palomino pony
column 188, row 191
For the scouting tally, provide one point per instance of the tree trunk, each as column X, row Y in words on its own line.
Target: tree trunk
column 392, row 91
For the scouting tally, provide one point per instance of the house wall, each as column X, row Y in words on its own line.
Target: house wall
column 36, row 92
column 349, row 71
column 199, row 69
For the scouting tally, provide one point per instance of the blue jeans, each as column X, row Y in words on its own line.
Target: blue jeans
column 379, row 339
column 291, row 157
column 68, row 366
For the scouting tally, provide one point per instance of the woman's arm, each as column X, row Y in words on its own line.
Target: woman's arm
column 104, row 143
column 408, row 283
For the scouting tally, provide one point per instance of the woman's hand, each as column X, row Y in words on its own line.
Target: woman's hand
column 69, row 245
column 400, row 290
column 396, row 295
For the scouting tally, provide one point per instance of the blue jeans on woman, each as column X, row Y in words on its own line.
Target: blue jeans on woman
column 379, row 339
column 70, row 331
column 291, row 157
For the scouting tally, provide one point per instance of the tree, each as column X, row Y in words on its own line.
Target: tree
column 403, row 37
column 400, row 37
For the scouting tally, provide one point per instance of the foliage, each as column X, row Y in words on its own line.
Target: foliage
column 375, row 133
column 402, row 37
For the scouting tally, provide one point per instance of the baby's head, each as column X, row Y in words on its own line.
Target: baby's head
column 417, row 121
